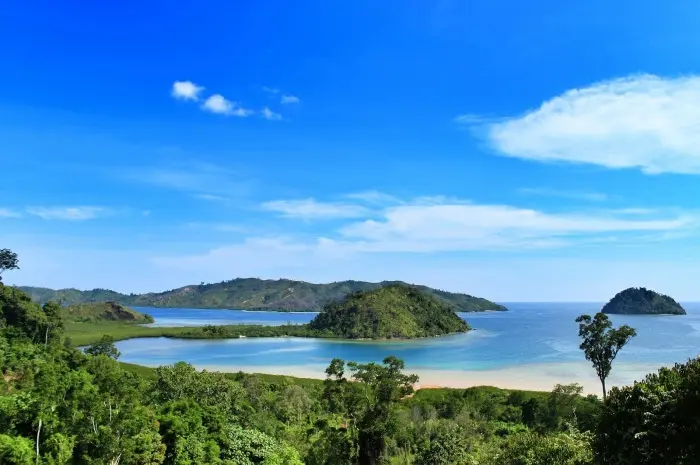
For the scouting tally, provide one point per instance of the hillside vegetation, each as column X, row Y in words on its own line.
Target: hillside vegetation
column 251, row 294
column 641, row 301
column 104, row 311
column 395, row 311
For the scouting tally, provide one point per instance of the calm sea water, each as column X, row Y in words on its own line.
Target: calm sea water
column 530, row 333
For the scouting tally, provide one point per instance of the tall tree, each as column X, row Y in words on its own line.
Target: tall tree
column 370, row 404
column 8, row 261
column 601, row 343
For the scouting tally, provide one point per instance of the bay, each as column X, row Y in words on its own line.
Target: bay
column 537, row 337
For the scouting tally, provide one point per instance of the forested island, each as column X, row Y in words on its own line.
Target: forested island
column 641, row 301
column 394, row 311
column 251, row 294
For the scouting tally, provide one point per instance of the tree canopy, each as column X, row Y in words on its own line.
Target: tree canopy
column 8, row 261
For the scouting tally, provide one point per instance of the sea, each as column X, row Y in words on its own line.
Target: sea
column 527, row 335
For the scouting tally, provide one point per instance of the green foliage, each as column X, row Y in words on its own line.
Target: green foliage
column 654, row 421
column 104, row 311
column 395, row 311
column 16, row 450
column 8, row 261
column 104, row 346
column 252, row 294
column 527, row 448
column 601, row 342
column 642, row 301
column 447, row 445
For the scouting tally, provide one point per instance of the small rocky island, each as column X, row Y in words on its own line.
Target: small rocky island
column 641, row 301
column 394, row 311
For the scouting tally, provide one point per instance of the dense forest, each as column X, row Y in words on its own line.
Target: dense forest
column 250, row 294
column 641, row 301
column 395, row 311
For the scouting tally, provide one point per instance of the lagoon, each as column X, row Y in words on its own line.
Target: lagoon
column 534, row 345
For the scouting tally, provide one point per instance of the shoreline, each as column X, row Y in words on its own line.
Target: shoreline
column 529, row 377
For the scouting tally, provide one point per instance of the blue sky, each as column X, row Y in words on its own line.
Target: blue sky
column 521, row 152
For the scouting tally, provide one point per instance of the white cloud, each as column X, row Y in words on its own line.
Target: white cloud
column 206, row 181
column 68, row 213
column 186, row 90
column 472, row 119
column 8, row 213
column 212, row 198
column 271, row 90
column 645, row 122
column 374, row 197
column 545, row 191
column 462, row 226
column 218, row 104
column 270, row 115
column 311, row 209
column 287, row 99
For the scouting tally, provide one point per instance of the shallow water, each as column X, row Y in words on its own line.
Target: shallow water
column 530, row 333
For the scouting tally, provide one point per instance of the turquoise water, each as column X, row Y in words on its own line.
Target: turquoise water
column 529, row 333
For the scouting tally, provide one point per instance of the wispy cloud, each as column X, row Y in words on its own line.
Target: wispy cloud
column 439, row 223
column 645, row 121
column 577, row 195
column 466, row 226
column 271, row 90
column 218, row 104
column 373, row 197
column 287, row 99
column 474, row 119
column 312, row 209
column 77, row 213
column 186, row 90
column 270, row 115
column 206, row 181
column 212, row 198
column 9, row 213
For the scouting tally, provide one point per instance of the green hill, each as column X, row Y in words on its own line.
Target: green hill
column 641, row 301
column 394, row 311
column 104, row 311
column 251, row 294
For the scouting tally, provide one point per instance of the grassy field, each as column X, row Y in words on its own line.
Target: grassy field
column 149, row 373
column 82, row 334
column 85, row 333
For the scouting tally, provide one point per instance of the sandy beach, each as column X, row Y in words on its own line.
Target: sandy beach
column 536, row 377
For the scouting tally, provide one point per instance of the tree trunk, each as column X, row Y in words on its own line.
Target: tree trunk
column 602, row 381
column 38, row 435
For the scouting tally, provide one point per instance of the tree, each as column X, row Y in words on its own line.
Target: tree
column 527, row 448
column 16, row 450
column 369, row 405
column 53, row 321
column 654, row 421
column 8, row 261
column 602, row 342
column 447, row 445
column 104, row 346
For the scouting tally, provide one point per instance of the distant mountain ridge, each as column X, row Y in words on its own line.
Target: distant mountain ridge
column 251, row 294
